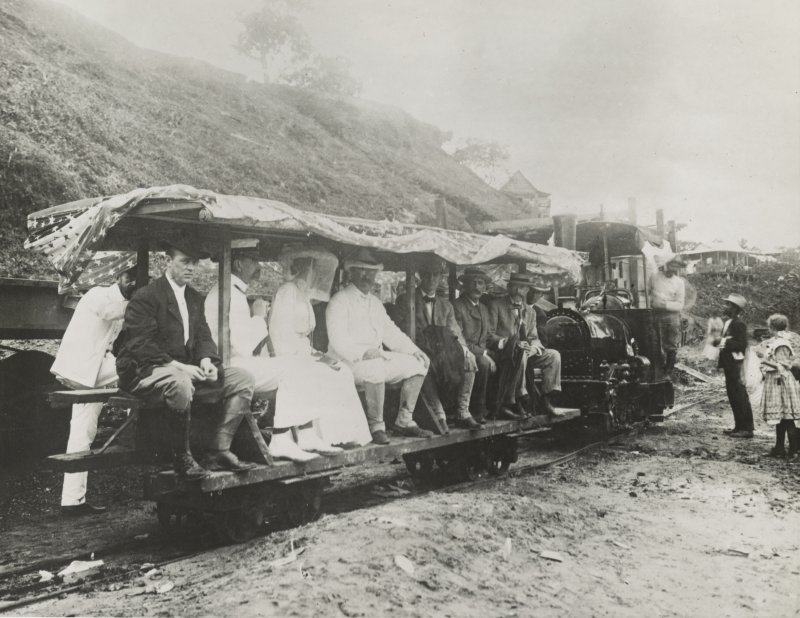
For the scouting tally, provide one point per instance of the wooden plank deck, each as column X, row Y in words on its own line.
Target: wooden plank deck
column 167, row 481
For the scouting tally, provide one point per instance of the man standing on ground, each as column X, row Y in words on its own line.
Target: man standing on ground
column 166, row 356
column 667, row 293
column 732, row 349
column 359, row 329
column 84, row 360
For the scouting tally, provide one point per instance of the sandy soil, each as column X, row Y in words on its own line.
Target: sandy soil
column 678, row 521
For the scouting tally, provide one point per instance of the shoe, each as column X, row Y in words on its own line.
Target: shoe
column 741, row 433
column 288, row 449
column 445, row 427
column 187, row 468
column 412, row 431
column 74, row 510
column 226, row 460
column 380, row 437
column 313, row 444
column 348, row 446
column 467, row 423
column 481, row 415
column 520, row 410
column 547, row 406
column 776, row 452
column 730, row 430
column 507, row 414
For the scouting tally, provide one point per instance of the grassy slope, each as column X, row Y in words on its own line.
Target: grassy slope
column 83, row 112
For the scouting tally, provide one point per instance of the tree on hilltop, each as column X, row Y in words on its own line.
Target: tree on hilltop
column 277, row 40
column 486, row 159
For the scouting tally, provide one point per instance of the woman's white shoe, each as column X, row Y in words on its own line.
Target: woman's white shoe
column 283, row 447
column 309, row 441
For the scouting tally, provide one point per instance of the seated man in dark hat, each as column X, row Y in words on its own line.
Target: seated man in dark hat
column 515, row 345
column 434, row 310
column 473, row 317
column 166, row 356
column 541, row 306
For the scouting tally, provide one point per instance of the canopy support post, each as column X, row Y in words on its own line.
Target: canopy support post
column 224, row 308
column 452, row 281
column 143, row 263
column 411, row 314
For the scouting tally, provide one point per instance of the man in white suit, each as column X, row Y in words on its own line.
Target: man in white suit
column 84, row 360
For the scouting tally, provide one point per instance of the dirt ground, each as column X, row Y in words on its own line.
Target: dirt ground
column 679, row 520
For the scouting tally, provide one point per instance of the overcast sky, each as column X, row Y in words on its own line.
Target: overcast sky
column 691, row 106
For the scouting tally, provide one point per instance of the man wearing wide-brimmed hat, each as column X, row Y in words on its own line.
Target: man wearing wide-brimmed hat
column 473, row 317
column 358, row 331
column 732, row 350
column 667, row 292
column 517, row 349
column 166, row 356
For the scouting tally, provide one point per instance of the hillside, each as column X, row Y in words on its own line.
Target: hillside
column 84, row 112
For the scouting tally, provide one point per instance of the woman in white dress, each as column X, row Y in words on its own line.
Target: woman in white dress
column 308, row 275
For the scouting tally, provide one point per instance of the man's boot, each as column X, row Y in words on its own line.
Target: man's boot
column 183, row 462
column 465, row 419
column 375, row 394
column 405, row 425
column 220, row 456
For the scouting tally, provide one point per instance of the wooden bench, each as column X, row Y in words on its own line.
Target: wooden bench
column 251, row 444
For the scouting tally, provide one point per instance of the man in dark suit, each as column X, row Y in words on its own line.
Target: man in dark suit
column 166, row 356
column 473, row 318
column 515, row 344
column 732, row 348
column 433, row 310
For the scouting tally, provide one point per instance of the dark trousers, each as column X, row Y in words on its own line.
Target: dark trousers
column 737, row 396
column 477, row 403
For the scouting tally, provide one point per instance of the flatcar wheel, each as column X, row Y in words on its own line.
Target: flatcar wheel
column 419, row 466
column 172, row 519
column 303, row 503
column 498, row 459
column 240, row 525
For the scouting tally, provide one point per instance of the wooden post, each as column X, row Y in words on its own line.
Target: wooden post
column 411, row 293
column 452, row 281
column 224, row 307
column 143, row 263
column 660, row 223
column 606, row 258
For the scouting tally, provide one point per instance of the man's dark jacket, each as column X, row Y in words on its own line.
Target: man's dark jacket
column 502, row 322
column 474, row 323
column 737, row 342
column 152, row 334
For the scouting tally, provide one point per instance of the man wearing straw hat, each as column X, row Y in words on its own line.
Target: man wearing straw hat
column 732, row 349
column 358, row 331
column 516, row 346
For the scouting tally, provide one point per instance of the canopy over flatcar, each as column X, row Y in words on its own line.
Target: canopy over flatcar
column 71, row 235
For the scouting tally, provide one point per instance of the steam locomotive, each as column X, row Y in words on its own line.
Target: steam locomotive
column 611, row 362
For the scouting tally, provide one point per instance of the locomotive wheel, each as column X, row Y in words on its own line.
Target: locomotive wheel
column 240, row 525
column 499, row 457
column 419, row 466
column 302, row 503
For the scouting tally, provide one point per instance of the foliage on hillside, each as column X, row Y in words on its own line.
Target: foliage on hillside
column 775, row 288
column 83, row 113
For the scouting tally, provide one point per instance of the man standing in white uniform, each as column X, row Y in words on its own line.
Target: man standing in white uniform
column 84, row 360
column 358, row 330
column 667, row 297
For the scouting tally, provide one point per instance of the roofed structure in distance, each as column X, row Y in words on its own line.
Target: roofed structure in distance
column 519, row 188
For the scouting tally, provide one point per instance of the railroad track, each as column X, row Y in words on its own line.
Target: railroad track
column 339, row 501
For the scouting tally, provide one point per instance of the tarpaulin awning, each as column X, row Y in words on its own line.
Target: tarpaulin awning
column 70, row 235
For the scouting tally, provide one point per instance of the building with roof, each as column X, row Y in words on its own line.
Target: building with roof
column 721, row 258
column 522, row 191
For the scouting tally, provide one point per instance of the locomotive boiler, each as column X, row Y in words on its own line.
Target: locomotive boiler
column 611, row 362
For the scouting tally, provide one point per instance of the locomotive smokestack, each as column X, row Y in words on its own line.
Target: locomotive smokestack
column 672, row 235
column 565, row 230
